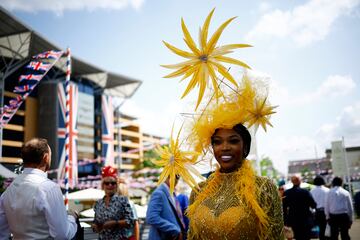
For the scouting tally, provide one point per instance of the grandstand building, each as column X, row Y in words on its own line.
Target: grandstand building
column 100, row 134
column 309, row 168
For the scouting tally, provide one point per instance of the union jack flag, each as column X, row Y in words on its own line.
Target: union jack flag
column 7, row 108
column 23, row 88
column 73, row 133
column 15, row 102
column 34, row 80
column 107, row 128
column 49, row 54
column 29, row 77
column 39, row 66
column 7, row 114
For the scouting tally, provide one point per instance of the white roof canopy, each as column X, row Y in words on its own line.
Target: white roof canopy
column 20, row 42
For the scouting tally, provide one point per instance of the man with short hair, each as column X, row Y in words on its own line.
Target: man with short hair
column 339, row 210
column 32, row 207
column 319, row 194
column 164, row 215
column 297, row 203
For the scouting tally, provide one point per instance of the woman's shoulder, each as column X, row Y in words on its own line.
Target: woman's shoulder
column 265, row 184
column 194, row 193
column 120, row 198
column 98, row 203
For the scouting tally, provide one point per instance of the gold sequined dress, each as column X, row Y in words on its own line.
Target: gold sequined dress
column 223, row 215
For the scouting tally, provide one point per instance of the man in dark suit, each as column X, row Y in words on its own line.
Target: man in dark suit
column 296, row 204
column 164, row 215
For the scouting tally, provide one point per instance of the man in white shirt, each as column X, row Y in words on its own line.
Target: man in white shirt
column 339, row 210
column 319, row 194
column 32, row 207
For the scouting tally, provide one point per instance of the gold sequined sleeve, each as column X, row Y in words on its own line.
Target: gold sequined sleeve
column 193, row 194
column 270, row 201
column 192, row 199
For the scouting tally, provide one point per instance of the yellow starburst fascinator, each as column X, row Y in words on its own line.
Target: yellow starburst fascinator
column 177, row 162
column 205, row 60
column 246, row 104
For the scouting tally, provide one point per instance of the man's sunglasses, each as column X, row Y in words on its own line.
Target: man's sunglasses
column 108, row 183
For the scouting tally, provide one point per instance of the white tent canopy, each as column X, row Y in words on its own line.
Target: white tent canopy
column 302, row 185
column 87, row 194
column 140, row 210
column 6, row 172
column 89, row 213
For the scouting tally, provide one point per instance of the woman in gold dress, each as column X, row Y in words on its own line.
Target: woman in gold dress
column 233, row 202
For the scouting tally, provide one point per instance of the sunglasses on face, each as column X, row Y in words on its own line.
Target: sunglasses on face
column 110, row 183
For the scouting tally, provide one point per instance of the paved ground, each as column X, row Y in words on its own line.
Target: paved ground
column 355, row 230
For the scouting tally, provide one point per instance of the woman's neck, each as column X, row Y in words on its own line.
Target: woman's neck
column 231, row 170
column 109, row 195
column 108, row 198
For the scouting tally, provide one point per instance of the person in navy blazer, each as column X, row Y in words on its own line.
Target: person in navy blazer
column 163, row 216
column 296, row 205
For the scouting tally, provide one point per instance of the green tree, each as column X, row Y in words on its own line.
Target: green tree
column 267, row 168
column 148, row 156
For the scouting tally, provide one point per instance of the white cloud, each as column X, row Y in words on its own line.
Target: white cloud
column 347, row 125
column 333, row 86
column 306, row 23
column 336, row 85
column 281, row 149
column 60, row 6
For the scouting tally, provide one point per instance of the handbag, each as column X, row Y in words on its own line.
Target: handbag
column 327, row 231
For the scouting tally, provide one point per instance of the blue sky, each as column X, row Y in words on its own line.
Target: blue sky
column 308, row 51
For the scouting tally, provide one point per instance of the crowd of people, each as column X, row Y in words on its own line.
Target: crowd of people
column 32, row 207
column 233, row 203
column 328, row 210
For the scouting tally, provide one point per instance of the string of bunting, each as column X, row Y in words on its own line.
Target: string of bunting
column 35, row 71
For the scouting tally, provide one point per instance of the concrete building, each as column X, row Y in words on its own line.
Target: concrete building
column 309, row 168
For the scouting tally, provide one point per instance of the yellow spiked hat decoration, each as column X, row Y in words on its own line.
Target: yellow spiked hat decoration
column 246, row 103
column 176, row 162
column 203, row 61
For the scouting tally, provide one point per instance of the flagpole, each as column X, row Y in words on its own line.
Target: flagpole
column 119, row 150
column 67, row 127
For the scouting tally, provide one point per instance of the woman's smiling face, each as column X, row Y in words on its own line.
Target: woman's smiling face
column 228, row 147
column 109, row 185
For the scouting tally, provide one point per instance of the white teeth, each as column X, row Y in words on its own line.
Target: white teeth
column 225, row 158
